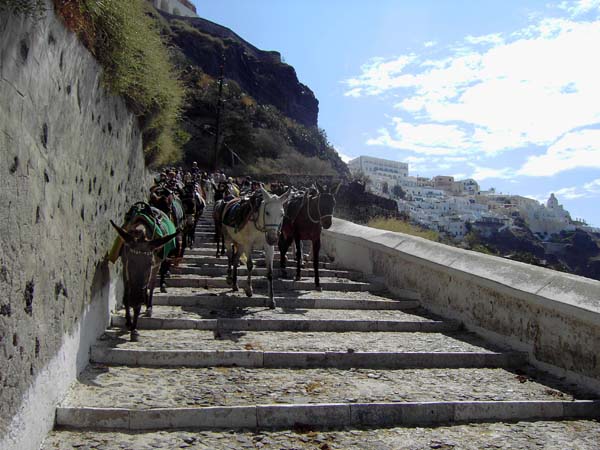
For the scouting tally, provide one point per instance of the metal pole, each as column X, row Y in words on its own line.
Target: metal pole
column 219, row 106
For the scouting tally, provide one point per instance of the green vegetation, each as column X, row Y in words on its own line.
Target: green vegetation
column 33, row 8
column 265, row 139
column 473, row 241
column 126, row 40
column 400, row 226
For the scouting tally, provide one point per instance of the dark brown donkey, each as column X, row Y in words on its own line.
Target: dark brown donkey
column 305, row 217
column 142, row 256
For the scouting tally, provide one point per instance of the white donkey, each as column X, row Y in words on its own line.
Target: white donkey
column 261, row 230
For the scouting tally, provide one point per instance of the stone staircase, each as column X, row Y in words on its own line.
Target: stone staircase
column 349, row 357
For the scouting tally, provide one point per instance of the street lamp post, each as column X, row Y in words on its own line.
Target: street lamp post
column 219, row 107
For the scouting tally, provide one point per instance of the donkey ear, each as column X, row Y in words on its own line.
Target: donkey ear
column 265, row 193
column 124, row 234
column 336, row 189
column 160, row 242
column 283, row 197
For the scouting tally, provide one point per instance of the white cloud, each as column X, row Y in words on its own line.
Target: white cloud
column 588, row 190
column 579, row 7
column 484, row 173
column 429, row 44
column 576, row 149
column 526, row 88
column 495, row 38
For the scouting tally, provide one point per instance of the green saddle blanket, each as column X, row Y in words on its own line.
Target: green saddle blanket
column 155, row 218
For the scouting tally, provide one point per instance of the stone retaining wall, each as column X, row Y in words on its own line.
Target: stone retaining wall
column 70, row 160
column 553, row 316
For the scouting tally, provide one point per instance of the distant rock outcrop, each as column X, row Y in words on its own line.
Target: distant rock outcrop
column 262, row 74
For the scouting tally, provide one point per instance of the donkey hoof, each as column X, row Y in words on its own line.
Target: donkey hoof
column 319, row 289
column 148, row 312
column 235, row 288
column 135, row 336
column 163, row 288
column 272, row 304
column 248, row 292
column 297, row 278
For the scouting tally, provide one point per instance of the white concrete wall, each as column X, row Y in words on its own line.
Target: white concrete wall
column 553, row 316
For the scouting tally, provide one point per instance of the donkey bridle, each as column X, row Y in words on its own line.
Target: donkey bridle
column 321, row 216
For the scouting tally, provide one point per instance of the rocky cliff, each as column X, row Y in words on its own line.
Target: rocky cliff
column 268, row 120
column 261, row 74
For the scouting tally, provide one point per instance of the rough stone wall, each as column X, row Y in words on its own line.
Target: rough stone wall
column 70, row 160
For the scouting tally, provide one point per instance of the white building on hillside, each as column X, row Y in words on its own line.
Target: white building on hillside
column 183, row 8
column 378, row 167
column 384, row 173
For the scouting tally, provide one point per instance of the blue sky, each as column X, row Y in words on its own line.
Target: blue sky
column 506, row 92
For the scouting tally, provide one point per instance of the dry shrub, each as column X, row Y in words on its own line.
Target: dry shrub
column 400, row 226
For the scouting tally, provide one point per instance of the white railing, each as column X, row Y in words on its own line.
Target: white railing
column 553, row 316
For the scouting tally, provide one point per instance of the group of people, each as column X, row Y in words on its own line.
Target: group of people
column 213, row 186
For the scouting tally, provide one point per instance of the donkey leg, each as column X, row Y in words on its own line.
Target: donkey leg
column 298, row 258
column 136, row 314
column 164, row 269
column 284, row 246
column 229, row 278
column 217, row 236
column 235, row 250
column 269, row 252
column 151, row 284
column 316, row 247
column 126, row 305
column 249, row 266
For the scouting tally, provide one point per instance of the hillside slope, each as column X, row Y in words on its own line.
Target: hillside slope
column 269, row 120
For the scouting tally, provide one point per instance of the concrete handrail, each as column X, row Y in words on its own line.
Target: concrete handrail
column 552, row 315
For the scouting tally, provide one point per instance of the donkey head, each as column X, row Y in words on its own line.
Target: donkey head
column 139, row 254
column 271, row 214
column 326, row 203
column 163, row 200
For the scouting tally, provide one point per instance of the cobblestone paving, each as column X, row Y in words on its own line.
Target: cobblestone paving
column 580, row 435
column 194, row 312
column 140, row 387
column 299, row 341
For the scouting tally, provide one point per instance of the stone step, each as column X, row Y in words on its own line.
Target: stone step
column 327, row 283
column 210, row 248
column 160, row 398
column 194, row 348
column 312, row 325
column 324, row 415
column 209, row 259
column 214, row 270
column 229, row 301
column 262, row 313
column 287, row 341
column 339, row 360
column 579, row 434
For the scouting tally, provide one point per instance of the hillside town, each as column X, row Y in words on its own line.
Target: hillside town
column 455, row 207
